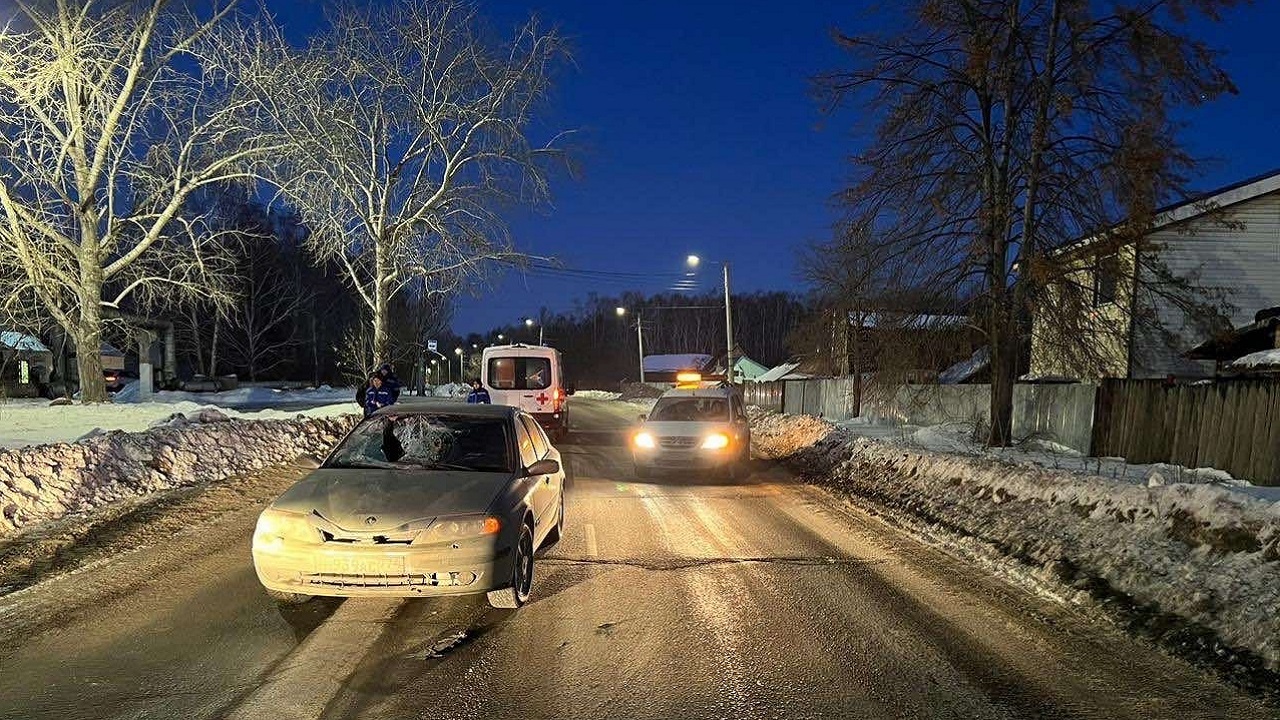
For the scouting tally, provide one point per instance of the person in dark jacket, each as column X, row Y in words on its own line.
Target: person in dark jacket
column 390, row 381
column 377, row 396
column 478, row 395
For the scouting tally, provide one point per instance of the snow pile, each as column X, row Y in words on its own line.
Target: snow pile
column 451, row 390
column 50, row 481
column 597, row 395
column 248, row 396
column 33, row 422
column 1264, row 358
column 1203, row 552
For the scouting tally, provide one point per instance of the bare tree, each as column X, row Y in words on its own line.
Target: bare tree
column 1006, row 128
column 262, row 323
column 111, row 115
column 409, row 131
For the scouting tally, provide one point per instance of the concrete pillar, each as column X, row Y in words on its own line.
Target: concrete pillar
column 146, row 373
column 170, row 355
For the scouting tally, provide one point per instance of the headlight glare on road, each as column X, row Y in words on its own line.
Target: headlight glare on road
column 645, row 440
column 715, row 441
column 445, row 529
column 276, row 527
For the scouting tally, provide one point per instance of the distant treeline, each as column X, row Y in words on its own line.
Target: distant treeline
column 600, row 346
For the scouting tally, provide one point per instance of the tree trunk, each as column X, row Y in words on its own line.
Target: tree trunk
column 213, row 349
column 1004, row 363
column 88, row 336
column 381, row 305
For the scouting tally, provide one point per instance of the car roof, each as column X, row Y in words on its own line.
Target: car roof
column 437, row 406
column 711, row 392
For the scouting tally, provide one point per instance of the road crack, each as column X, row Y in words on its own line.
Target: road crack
column 686, row 564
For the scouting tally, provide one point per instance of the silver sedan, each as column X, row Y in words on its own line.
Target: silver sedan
column 418, row 500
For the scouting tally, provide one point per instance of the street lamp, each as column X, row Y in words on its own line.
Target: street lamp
column 458, row 351
column 693, row 261
column 620, row 311
column 528, row 322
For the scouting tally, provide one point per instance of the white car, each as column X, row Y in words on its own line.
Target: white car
column 694, row 428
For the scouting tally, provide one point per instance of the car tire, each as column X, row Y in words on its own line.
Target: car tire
column 288, row 598
column 518, row 592
column 643, row 472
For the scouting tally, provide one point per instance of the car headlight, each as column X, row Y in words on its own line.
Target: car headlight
column 447, row 529
column 275, row 527
column 645, row 440
column 715, row 441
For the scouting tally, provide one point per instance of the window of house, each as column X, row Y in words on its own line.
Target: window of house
column 1106, row 280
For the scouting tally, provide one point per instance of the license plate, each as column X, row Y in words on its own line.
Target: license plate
column 362, row 566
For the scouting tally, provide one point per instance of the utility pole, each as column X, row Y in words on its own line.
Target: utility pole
column 728, row 327
column 640, row 342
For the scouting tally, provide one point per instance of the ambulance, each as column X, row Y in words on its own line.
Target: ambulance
column 529, row 377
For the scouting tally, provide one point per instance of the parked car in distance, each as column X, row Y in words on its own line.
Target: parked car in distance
column 693, row 428
column 116, row 380
column 423, row 498
column 203, row 383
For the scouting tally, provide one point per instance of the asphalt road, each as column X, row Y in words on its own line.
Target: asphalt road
column 675, row 598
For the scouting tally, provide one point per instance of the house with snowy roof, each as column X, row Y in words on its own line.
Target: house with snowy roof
column 25, row 364
column 1223, row 246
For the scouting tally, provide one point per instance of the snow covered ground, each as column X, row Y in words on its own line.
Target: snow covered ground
column 259, row 397
column 597, row 395
column 959, row 438
column 1199, row 550
column 35, row 422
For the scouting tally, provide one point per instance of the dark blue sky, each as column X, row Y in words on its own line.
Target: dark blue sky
column 702, row 136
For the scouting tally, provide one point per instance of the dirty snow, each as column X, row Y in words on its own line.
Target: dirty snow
column 1177, row 540
column 48, row 482
column 597, row 395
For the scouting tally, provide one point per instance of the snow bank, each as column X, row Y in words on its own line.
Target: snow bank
column 50, row 481
column 451, row 390
column 1264, row 358
column 1207, row 553
column 34, row 422
column 597, row 395
column 255, row 396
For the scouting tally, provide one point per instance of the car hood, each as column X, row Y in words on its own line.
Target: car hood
column 664, row 428
column 349, row 497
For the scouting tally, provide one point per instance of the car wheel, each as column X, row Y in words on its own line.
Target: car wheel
column 521, row 575
column 643, row 472
column 288, row 598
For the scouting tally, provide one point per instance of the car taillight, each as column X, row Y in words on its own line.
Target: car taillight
column 557, row 399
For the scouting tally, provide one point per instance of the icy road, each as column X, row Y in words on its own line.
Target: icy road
column 669, row 599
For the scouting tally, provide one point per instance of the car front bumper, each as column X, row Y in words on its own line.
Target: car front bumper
column 679, row 458
column 376, row 571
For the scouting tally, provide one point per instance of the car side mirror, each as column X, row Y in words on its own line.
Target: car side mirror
column 542, row 467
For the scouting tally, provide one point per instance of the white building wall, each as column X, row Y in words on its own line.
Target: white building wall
column 1236, row 249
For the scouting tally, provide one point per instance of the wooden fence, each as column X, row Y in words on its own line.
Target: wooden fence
column 1232, row 426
